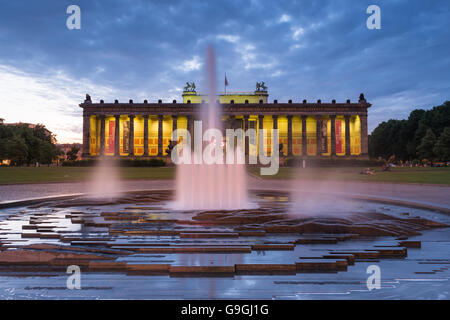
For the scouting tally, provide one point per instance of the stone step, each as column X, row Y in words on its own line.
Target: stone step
column 317, row 241
column 147, row 269
column 209, row 235
column 389, row 252
column 410, row 244
column 201, row 270
column 359, row 254
column 189, row 249
column 321, row 265
column 265, row 268
column 259, row 233
column 257, row 247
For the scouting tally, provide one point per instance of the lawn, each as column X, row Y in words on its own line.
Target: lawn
column 10, row 175
column 400, row 175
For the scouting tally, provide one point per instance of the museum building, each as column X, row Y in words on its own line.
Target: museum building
column 306, row 129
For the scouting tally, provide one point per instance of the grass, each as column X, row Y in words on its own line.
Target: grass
column 397, row 175
column 12, row 175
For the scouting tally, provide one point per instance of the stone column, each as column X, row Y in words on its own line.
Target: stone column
column 174, row 127
column 232, row 122
column 289, row 133
column 364, row 138
column 160, row 134
column 146, row 135
column 102, row 135
column 347, row 135
column 318, row 136
column 247, row 142
column 333, row 135
column 304, row 138
column 117, row 135
column 131, row 146
column 86, row 135
column 261, row 121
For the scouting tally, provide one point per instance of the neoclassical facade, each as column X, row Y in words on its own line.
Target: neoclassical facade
column 305, row 129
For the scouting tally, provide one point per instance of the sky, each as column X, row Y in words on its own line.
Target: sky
column 149, row 49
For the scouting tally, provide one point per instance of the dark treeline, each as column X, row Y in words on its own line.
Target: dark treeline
column 424, row 135
column 24, row 145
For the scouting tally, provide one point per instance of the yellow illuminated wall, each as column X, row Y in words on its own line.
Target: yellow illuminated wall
column 153, row 135
column 268, row 126
column 167, row 132
column 311, row 145
column 355, row 135
column 238, row 97
column 94, row 136
column 283, row 133
column 253, row 124
column 139, row 135
column 297, row 136
column 340, row 135
column 110, row 128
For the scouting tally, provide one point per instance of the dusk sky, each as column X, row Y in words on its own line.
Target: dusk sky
column 148, row 50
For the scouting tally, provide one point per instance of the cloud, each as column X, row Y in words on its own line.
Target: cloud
column 297, row 32
column 305, row 49
column 228, row 37
column 284, row 18
column 190, row 65
column 50, row 99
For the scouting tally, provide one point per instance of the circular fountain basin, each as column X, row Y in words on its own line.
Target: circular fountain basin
column 135, row 246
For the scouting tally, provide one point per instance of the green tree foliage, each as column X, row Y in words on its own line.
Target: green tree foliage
column 442, row 147
column 402, row 138
column 425, row 148
column 72, row 154
column 24, row 145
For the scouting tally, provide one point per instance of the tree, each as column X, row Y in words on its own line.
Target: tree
column 442, row 146
column 48, row 152
column 403, row 137
column 24, row 145
column 16, row 150
column 72, row 154
column 425, row 149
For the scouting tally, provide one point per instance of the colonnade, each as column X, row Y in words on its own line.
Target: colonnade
column 299, row 135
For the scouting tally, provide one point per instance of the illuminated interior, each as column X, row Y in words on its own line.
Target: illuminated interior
column 268, row 126
column 153, row 135
column 283, row 133
column 311, row 145
column 253, row 122
column 110, row 128
column 340, row 135
column 139, row 135
column 297, row 136
column 94, row 141
column 355, row 135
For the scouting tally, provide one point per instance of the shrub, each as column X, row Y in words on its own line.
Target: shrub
column 154, row 162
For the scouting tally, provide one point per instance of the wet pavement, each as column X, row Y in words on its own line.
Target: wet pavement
column 435, row 195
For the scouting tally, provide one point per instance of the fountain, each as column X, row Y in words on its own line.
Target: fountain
column 211, row 186
column 213, row 236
